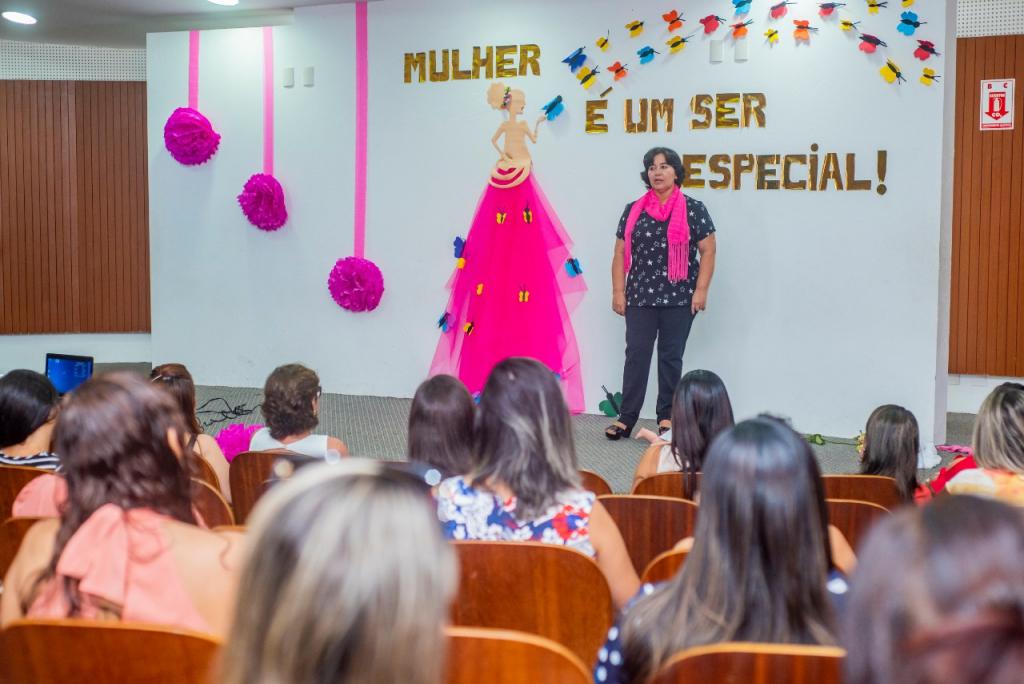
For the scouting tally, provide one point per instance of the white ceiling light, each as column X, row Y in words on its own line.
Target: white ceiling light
column 19, row 18
column 226, row 3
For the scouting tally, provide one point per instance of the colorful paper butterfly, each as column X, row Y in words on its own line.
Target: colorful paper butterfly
column 928, row 76
column 479, row 289
column 527, row 215
column 711, row 23
column 778, row 11
column 870, row 43
column 741, row 6
column 891, row 72
column 925, row 49
column 554, row 108
column 468, row 328
column 873, row 6
column 646, row 54
column 572, row 267
column 803, row 30
column 602, row 42
column 909, row 23
column 575, row 60
column 444, row 322
column 826, row 9
column 677, row 43
column 772, row 35
column 460, row 247
column 848, row 24
column 620, row 70
column 500, row 216
column 739, row 29
column 635, row 28
column 609, row 406
column 674, row 20
column 524, row 295
column 907, row 3
column 587, row 77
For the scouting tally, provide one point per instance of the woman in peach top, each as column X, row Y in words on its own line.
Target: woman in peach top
column 126, row 546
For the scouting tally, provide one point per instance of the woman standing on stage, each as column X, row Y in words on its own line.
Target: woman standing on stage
column 659, row 283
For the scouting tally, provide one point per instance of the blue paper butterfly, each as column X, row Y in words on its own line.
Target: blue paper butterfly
column 444, row 322
column 909, row 23
column 460, row 247
column 554, row 108
column 741, row 6
column 646, row 54
column 575, row 60
column 572, row 267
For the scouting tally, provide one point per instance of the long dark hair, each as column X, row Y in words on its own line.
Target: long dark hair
column 524, row 435
column 176, row 379
column 27, row 400
column 891, row 443
column 938, row 597
column 760, row 559
column 700, row 411
column 441, row 425
column 113, row 437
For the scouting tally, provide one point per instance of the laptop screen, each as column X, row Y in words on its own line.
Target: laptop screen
column 67, row 372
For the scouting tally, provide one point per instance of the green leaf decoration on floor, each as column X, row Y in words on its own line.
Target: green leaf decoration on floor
column 610, row 405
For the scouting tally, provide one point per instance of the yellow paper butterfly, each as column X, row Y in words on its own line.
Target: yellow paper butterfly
column 891, row 72
column 479, row 289
column 603, row 43
column 772, row 35
column 500, row 216
column 527, row 215
column 848, row 24
column 461, row 263
column 908, row 3
column 524, row 295
column 635, row 28
column 587, row 77
column 928, row 76
column 468, row 328
column 873, row 6
column 676, row 43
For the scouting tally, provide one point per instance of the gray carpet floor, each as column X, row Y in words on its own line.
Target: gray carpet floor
column 375, row 427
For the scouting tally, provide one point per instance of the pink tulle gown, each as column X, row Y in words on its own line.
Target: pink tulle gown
column 512, row 292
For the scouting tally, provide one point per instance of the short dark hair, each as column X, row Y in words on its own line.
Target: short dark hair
column 671, row 158
column 441, row 426
column 288, row 400
column 27, row 400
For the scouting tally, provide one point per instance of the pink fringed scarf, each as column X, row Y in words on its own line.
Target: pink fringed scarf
column 678, row 230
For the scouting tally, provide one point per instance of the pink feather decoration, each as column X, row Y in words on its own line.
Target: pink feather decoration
column 356, row 284
column 262, row 202
column 189, row 137
column 234, row 439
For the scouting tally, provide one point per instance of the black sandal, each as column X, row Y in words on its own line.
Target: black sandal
column 616, row 431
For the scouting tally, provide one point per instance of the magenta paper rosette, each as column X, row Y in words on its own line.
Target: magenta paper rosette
column 356, row 284
column 189, row 137
column 262, row 202
column 234, row 439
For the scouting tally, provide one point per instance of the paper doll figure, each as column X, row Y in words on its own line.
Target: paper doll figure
column 511, row 294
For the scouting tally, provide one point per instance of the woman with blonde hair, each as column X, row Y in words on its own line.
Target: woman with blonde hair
column 998, row 448
column 348, row 580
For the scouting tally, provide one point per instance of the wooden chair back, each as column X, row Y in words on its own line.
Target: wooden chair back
column 650, row 524
column 543, row 589
column 874, row 488
column 200, row 469
column 249, row 477
column 499, row 656
column 754, row 664
column 664, row 567
column 663, row 484
column 592, row 482
column 60, row 651
column 12, row 531
column 854, row 518
column 211, row 504
column 12, row 479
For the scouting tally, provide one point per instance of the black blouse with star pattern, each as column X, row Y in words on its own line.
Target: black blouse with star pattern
column 647, row 282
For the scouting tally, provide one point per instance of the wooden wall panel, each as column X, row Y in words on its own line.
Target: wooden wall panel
column 986, row 335
column 74, row 211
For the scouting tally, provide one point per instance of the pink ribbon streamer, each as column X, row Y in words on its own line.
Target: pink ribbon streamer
column 362, row 78
column 193, row 69
column 268, row 100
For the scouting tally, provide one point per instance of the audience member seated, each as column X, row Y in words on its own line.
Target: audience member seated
column 891, row 445
column 441, row 426
column 759, row 566
column 939, row 597
column 700, row 411
column 291, row 407
column 176, row 379
column 126, row 545
column 525, row 486
column 28, row 410
column 998, row 448
column 348, row 580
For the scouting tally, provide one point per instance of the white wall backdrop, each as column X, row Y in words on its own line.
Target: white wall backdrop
column 824, row 304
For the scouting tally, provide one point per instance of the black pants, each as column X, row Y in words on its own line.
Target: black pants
column 670, row 325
